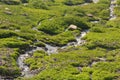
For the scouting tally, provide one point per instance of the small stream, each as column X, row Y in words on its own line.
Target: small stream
column 79, row 40
column 49, row 49
column 25, row 68
column 112, row 6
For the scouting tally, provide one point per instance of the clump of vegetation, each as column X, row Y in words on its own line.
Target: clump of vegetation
column 8, row 64
column 40, row 44
column 106, row 42
column 40, row 4
column 60, row 39
column 72, row 2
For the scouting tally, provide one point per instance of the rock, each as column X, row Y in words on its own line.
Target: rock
column 7, row 9
column 89, row 15
column 95, row 1
column 8, row 12
column 24, row 14
column 71, row 44
column 25, row 4
column 72, row 27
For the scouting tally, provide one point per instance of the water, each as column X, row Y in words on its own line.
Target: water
column 49, row 49
column 79, row 40
column 25, row 68
column 97, row 21
column 112, row 6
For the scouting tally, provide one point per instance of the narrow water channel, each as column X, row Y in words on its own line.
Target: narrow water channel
column 49, row 49
column 25, row 68
column 112, row 6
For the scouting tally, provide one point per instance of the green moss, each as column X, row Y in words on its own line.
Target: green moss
column 47, row 21
column 40, row 44
column 8, row 66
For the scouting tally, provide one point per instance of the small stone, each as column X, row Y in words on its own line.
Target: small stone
column 8, row 12
column 24, row 14
column 25, row 4
column 73, row 27
column 89, row 15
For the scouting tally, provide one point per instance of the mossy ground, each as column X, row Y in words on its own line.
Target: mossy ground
column 23, row 22
column 8, row 64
